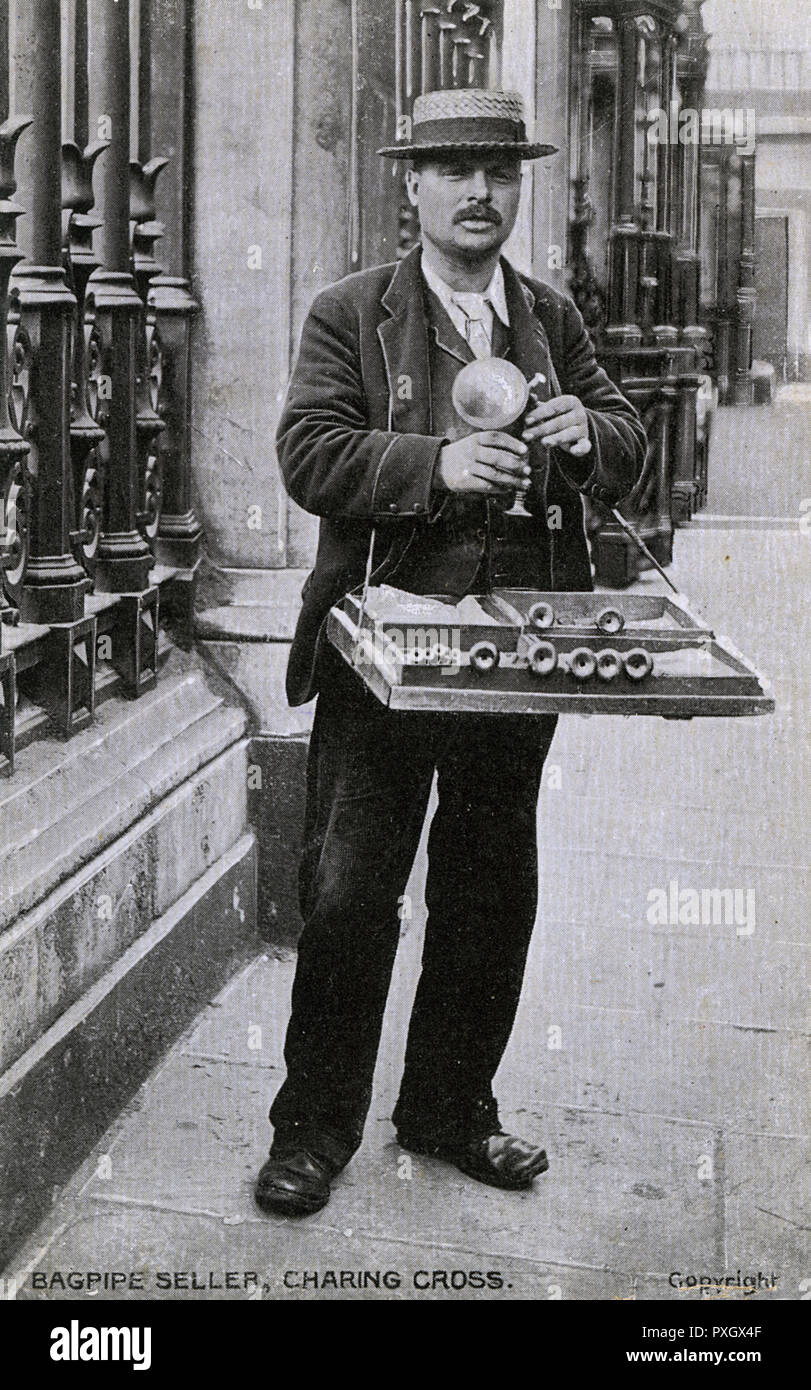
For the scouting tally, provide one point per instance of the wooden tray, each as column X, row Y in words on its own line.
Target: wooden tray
column 432, row 653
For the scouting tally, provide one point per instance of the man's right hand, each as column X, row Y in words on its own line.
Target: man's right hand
column 489, row 462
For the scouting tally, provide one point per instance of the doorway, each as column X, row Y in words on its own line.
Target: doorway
column 770, row 343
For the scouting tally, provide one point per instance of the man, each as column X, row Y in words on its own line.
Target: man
column 370, row 442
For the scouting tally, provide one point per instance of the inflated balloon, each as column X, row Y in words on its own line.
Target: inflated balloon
column 490, row 394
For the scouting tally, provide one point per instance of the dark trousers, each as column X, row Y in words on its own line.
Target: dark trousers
column 369, row 779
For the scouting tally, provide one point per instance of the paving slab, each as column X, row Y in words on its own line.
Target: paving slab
column 768, row 1208
column 633, row 1062
column 149, row 1254
column 692, row 973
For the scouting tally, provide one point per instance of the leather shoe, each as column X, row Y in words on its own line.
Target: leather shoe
column 293, row 1183
column 500, row 1160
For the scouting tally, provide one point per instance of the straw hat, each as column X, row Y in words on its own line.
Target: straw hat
column 468, row 120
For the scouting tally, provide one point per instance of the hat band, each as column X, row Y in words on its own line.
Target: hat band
column 474, row 130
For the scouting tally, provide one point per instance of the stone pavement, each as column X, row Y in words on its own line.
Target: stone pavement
column 760, row 460
column 664, row 1067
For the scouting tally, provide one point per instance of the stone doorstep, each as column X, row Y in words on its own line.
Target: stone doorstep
column 124, row 734
column 108, row 795
column 63, row 1093
column 60, row 852
column 61, row 947
column 228, row 598
column 252, row 622
column 257, row 670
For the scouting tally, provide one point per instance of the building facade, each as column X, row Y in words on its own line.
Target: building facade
column 127, row 888
column 178, row 179
column 771, row 67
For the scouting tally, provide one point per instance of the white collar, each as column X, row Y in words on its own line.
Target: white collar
column 494, row 294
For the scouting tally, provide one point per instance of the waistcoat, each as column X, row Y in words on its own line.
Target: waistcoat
column 471, row 545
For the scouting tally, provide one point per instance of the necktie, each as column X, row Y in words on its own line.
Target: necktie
column 474, row 308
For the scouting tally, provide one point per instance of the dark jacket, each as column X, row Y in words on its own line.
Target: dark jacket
column 355, row 444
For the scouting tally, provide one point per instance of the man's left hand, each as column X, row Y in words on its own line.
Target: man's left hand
column 561, row 422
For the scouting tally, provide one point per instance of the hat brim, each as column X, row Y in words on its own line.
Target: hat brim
column 523, row 150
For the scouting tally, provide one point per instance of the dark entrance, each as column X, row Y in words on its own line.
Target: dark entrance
column 771, row 316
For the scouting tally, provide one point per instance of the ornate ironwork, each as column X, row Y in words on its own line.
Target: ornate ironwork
column 54, row 584
column 13, row 449
column 179, row 530
column 80, row 262
column 728, row 307
column 587, row 292
column 150, row 426
column 135, row 641
column 123, row 558
column 94, row 376
column 16, row 508
column 148, row 422
column 64, row 683
column 8, row 702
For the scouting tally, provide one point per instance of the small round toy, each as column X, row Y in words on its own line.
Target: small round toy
column 541, row 616
column 638, row 663
column 490, row 394
column 610, row 620
column 542, row 658
column 582, row 663
column 484, row 656
column 609, row 664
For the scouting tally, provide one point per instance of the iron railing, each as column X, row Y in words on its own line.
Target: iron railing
column 97, row 516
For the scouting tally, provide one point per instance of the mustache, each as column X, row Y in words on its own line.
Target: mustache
column 478, row 212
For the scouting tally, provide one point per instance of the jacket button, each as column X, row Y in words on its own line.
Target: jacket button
column 392, row 506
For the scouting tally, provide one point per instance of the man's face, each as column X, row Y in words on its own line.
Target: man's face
column 467, row 204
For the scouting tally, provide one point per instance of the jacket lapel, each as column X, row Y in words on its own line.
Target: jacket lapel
column 444, row 332
column 404, row 340
column 403, row 337
column 530, row 345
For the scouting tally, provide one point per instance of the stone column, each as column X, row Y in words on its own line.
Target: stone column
column 261, row 249
column 169, row 300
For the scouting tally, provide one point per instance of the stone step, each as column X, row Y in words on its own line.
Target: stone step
column 69, row 800
column 123, row 732
column 60, row 1095
column 274, row 595
column 127, row 893
column 58, row 950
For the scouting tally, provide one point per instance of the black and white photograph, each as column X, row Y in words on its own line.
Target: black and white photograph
column 405, row 539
